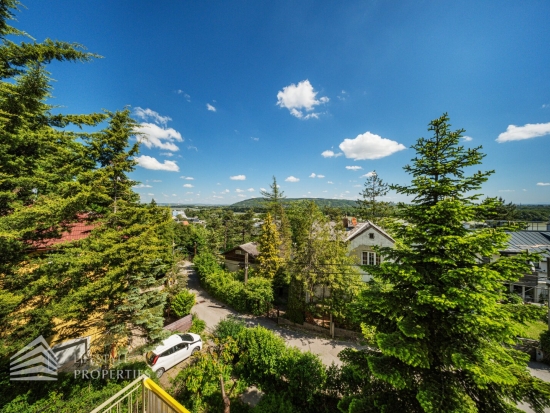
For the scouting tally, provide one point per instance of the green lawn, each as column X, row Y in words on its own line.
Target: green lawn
column 533, row 329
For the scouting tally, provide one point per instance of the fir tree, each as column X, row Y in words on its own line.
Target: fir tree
column 268, row 247
column 370, row 207
column 436, row 311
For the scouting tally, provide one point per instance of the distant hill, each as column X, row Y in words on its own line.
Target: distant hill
column 321, row 202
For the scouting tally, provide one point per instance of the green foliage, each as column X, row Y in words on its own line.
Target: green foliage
column 182, row 303
column 448, row 344
column 304, row 375
column 254, row 297
column 52, row 177
column 545, row 341
column 268, row 248
column 197, row 325
column 274, row 403
column 369, row 206
column 229, row 327
column 260, row 358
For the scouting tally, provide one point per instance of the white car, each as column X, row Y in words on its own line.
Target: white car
column 173, row 350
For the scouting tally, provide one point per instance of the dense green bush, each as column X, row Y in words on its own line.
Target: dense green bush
column 274, row 403
column 229, row 327
column 255, row 297
column 182, row 303
column 260, row 358
column 197, row 325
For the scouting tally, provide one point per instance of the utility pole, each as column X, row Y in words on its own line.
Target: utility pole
column 245, row 267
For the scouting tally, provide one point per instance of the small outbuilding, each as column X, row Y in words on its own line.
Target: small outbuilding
column 235, row 257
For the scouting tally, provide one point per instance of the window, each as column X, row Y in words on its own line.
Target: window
column 370, row 258
column 371, row 235
column 239, row 252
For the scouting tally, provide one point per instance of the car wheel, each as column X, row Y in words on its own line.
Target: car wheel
column 194, row 350
column 160, row 372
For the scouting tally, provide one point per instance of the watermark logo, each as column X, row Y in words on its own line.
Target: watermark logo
column 34, row 362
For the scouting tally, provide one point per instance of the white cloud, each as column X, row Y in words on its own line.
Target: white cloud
column 250, row 189
column 369, row 146
column 254, row 139
column 149, row 162
column 292, row 179
column 189, row 178
column 210, row 107
column 152, row 135
column 174, row 195
column 142, row 186
column 262, row 189
column 239, row 190
column 330, row 154
column 300, row 97
column 241, row 196
column 320, row 176
column 185, row 95
column 156, row 180
column 218, row 197
column 357, row 186
column 506, row 190
column 528, row 131
column 330, row 182
column 354, row 168
column 238, row 177
column 167, row 154
column 150, row 194
column 543, row 183
column 313, row 175
column 225, row 192
column 467, row 138
column 368, row 174
column 192, row 147
column 151, row 114
column 188, row 186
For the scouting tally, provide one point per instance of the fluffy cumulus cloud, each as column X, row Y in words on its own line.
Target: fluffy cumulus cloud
column 354, row 168
column 292, row 179
column 369, row 146
column 148, row 162
column 528, row 131
column 300, row 100
column 543, row 183
column 314, row 175
column 188, row 186
column 330, row 154
column 467, row 138
column 210, row 107
column 154, row 136
column 368, row 174
column 188, row 178
column 149, row 114
column 238, row 177
column 250, row 189
column 239, row 190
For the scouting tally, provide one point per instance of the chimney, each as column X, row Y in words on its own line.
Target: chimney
column 349, row 222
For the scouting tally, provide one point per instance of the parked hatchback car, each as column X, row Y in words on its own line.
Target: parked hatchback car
column 173, row 350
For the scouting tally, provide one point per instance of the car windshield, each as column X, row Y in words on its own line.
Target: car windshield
column 149, row 357
column 187, row 337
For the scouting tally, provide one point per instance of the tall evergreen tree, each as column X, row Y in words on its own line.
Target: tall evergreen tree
column 437, row 312
column 268, row 247
column 370, row 206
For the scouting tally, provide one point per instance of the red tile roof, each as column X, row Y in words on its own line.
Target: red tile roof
column 77, row 231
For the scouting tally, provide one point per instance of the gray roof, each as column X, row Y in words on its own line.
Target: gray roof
column 250, row 247
column 533, row 241
column 363, row 226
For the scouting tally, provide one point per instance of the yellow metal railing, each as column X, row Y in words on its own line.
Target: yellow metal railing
column 151, row 399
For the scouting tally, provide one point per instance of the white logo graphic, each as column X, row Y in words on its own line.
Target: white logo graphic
column 35, row 361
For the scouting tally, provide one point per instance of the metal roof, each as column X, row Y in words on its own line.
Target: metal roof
column 533, row 241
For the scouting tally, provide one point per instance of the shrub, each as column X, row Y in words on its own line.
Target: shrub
column 304, row 374
column 182, row 303
column 229, row 327
column 197, row 325
column 259, row 295
column 205, row 263
column 274, row 403
column 260, row 357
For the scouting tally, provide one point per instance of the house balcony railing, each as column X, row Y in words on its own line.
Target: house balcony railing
column 142, row 395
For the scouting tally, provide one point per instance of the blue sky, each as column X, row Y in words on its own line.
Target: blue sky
column 316, row 93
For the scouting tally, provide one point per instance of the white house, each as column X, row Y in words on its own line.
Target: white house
column 362, row 237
